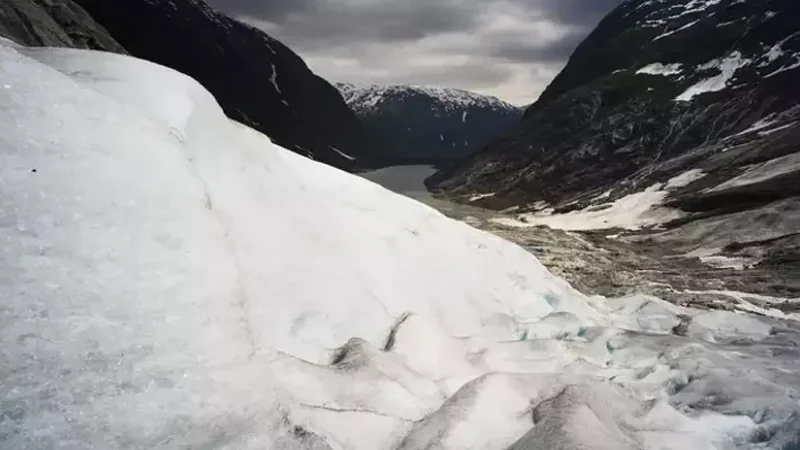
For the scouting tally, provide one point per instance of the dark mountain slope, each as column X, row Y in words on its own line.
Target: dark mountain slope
column 257, row 80
column 657, row 88
column 428, row 125
column 57, row 23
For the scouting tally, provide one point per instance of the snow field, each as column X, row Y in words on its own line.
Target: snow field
column 170, row 279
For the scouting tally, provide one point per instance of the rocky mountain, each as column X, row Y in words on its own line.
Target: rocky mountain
column 639, row 97
column 689, row 104
column 428, row 125
column 53, row 23
column 257, row 80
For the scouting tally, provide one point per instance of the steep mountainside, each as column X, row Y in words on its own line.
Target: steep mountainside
column 60, row 23
column 659, row 88
column 429, row 125
column 258, row 80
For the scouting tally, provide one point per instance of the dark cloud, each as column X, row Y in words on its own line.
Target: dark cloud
column 526, row 51
column 265, row 9
column 584, row 13
column 496, row 46
column 386, row 21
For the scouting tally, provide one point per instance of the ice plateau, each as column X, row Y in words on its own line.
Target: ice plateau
column 170, row 279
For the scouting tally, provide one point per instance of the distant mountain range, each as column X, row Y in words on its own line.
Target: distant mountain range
column 428, row 125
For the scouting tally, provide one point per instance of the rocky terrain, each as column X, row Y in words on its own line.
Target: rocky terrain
column 428, row 125
column 53, row 23
column 640, row 101
column 645, row 129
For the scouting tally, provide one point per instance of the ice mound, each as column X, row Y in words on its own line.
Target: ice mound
column 170, row 279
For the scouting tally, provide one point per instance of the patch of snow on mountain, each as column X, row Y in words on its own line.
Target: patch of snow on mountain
column 660, row 69
column 632, row 212
column 727, row 262
column 342, row 154
column 602, row 196
column 172, row 279
column 761, row 172
column 774, row 53
column 273, row 78
column 777, row 129
column 670, row 10
column 477, row 197
column 726, row 67
column 761, row 124
column 684, row 179
column 678, row 30
column 788, row 67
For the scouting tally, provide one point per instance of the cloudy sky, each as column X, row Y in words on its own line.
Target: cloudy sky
column 507, row 48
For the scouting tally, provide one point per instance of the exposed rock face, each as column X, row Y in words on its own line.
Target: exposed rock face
column 660, row 87
column 57, row 23
column 257, row 80
column 694, row 100
column 429, row 125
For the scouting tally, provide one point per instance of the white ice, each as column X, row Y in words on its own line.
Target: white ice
column 728, row 262
column 343, row 154
column 761, row 124
column 727, row 68
column 632, row 212
column 684, row 179
column 477, row 197
column 172, row 280
column 660, row 69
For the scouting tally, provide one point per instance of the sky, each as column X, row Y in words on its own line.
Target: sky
column 507, row 48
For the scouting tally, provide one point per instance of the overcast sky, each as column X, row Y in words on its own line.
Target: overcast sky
column 507, row 48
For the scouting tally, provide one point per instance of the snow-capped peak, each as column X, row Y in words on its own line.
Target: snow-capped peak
column 365, row 97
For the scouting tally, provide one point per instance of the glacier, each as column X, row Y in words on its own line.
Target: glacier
column 170, row 279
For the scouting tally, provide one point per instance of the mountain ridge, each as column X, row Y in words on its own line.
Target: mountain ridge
column 638, row 93
column 415, row 124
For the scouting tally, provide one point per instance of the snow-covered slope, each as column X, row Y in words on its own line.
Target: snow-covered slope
column 426, row 124
column 171, row 279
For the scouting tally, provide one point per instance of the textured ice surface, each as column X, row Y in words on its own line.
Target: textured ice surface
column 170, row 279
